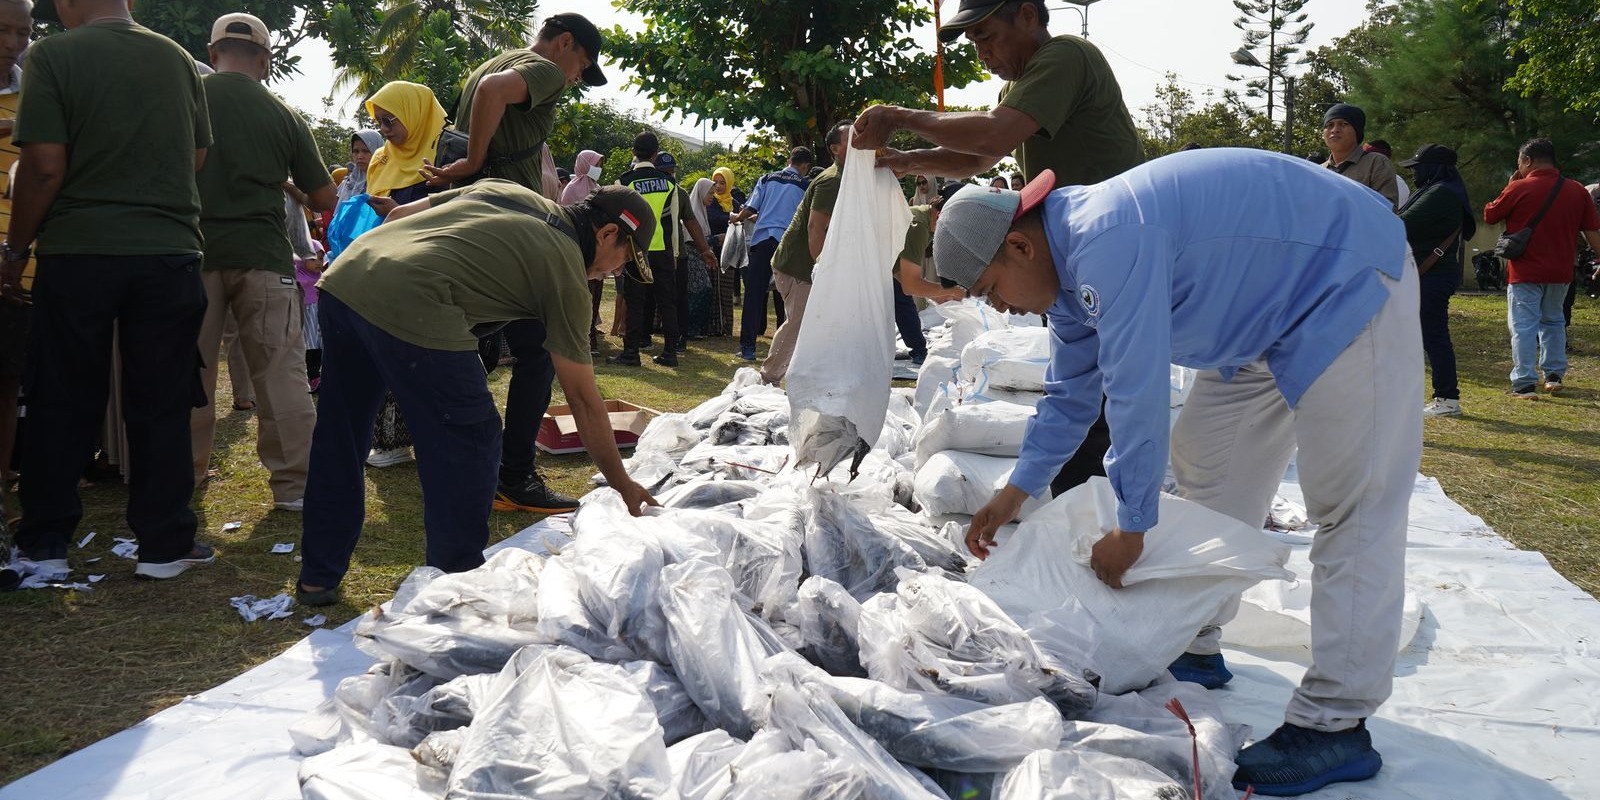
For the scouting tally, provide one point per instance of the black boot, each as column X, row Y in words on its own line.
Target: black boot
column 629, row 357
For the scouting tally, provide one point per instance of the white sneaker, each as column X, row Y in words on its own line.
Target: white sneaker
column 1440, row 407
column 297, row 505
column 389, row 458
column 200, row 555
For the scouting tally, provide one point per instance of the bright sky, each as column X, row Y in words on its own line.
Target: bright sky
column 1142, row 39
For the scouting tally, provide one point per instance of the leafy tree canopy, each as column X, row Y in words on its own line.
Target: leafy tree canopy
column 781, row 65
column 1559, row 54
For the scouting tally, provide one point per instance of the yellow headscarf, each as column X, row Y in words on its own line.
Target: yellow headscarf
column 415, row 106
column 726, row 198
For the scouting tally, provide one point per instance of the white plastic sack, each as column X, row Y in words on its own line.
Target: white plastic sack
column 991, row 429
column 1078, row 774
column 563, row 727
column 839, row 376
column 938, row 635
column 736, row 246
column 970, row 318
column 672, row 434
column 1193, row 560
column 1012, row 358
column 953, row 482
column 1139, row 725
column 937, row 371
column 716, row 766
column 368, row 771
column 715, row 647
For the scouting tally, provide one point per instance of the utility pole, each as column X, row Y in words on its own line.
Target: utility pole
column 938, row 57
column 1288, row 114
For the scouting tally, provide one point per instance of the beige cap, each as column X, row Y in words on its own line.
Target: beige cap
column 241, row 26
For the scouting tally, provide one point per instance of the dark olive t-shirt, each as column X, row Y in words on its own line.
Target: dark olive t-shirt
column 430, row 278
column 258, row 142
column 525, row 126
column 1085, row 132
column 793, row 256
column 128, row 104
column 917, row 238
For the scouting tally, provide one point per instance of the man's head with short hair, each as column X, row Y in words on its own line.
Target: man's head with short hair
column 16, row 26
column 240, row 43
column 574, row 44
column 801, row 159
column 1006, row 33
column 837, row 141
column 1538, row 152
column 646, row 145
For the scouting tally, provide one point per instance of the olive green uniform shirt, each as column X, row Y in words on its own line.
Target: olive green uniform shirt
column 917, row 238
column 525, row 126
column 1371, row 169
column 128, row 104
column 259, row 142
column 793, row 256
column 430, row 278
column 1085, row 132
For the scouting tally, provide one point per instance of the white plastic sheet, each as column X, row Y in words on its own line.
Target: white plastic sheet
column 1193, row 560
column 838, row 378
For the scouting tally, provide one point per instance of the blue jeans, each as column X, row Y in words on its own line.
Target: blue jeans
column 909, row 322
column 1533, row 312
column 757, row 280
column 445, row 398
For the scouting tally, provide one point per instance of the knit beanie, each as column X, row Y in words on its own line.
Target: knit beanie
column 1351, row 114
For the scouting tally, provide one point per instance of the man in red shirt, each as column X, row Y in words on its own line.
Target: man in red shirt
column 1536, row 282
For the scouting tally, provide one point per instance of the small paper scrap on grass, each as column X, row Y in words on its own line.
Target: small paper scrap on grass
column 253, row 608
column 316, row 620
column 84, row 542
column 127, row 548
column 233, row 526
column 283, row 547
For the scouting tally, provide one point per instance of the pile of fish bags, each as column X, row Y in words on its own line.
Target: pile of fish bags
column 765, row 633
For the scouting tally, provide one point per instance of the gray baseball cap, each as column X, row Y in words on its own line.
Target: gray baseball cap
column 974, row 224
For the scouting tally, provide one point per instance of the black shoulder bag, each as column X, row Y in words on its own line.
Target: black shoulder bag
column 1513, row 245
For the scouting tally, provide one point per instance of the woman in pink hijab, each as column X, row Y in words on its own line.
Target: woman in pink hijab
column 586, row 179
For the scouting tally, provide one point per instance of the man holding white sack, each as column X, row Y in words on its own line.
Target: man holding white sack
column 1294, row 294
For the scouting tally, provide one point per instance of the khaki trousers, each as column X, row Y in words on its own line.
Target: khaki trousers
column 267, row 307
column 1360, row 442
column 794, row 292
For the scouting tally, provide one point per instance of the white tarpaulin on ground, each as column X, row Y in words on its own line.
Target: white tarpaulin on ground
column 1497, row 694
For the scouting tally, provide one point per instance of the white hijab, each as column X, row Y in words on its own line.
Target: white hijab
column 697, row 203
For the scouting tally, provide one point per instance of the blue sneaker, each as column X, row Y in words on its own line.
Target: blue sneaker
column 1296, row 760
column 1208, row 671
column 747, row 354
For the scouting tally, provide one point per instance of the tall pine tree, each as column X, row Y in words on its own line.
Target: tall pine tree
column 1281, row 26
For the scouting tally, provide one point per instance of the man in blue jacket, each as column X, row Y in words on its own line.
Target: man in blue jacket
column 1293, row 293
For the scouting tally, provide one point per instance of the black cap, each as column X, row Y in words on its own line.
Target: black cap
column 664, row 160
column 949, row 190
column 1349, row 113
column 630, row 210
column 45, row 11
column 562, row 173
column 588, row 37
column 1431, row 153
column 971, row 13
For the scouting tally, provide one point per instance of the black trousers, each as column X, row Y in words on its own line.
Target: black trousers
column 757, row 284
column 660, row 296
column 156, row 304
column 1435, row 314
column 909, row 321
column 527, row 398
column 1089, row 461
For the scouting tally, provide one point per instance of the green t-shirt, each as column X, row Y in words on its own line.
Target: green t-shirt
column 793, row 256
column 1085, row 133
column 430, row 278
column 259, row 142
column 917, row 238
column 525, row 126
column 128, row 104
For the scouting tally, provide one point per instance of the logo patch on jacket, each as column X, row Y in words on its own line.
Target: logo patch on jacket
column 1090, row 298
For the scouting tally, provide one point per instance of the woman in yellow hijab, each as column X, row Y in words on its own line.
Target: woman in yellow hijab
column 722, row 189
column 409, row 118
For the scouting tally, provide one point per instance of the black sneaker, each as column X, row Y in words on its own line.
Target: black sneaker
column 667, row 359
column 1295, row 760
column 626, row 358
column 533, row 496
column 1552, row 382
column 1527, row 392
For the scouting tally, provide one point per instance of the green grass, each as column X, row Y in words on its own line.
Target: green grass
column 79, row 666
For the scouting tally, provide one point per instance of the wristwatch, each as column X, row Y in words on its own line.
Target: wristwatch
column 10, row 253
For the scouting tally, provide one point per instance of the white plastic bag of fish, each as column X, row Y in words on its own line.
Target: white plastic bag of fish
column 839, row 376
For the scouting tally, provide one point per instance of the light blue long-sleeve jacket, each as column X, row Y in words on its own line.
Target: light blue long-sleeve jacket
column 1211, row 259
